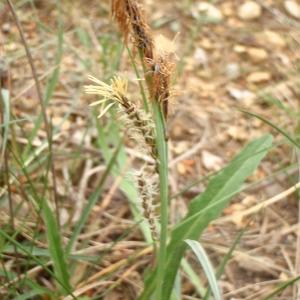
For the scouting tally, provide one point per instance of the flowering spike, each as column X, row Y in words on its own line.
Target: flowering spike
column 141, row 129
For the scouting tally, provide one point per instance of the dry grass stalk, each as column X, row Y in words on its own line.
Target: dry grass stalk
column 141, row 129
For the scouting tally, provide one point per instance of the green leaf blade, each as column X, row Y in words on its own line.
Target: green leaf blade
column 207, row 267
column 55, row 248
column 208, row 206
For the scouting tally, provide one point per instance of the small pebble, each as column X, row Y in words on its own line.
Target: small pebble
column 239, row 49
column 6, row 28
column 241, row 94
column 257, row 54
column 273, row 38
column 210, row 11
column 227, row 9
column 211, row 161
column 292, row 8
column 233, row 71
column 250, row 10
column 200, row 57
column 259, row 77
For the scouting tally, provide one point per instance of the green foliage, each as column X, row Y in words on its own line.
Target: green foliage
column 39, row 262
column 278, row 129
column 162, row 148
column 91, row 202
column 208, row 206
column 202, row 210
column 207, row 267
column 225, row 260
column 55, row 248
column 281, row 288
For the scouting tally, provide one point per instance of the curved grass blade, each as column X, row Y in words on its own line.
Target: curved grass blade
column 193, row 277
column 281, row 288
column 207, row 267
column 225, row 260
column 281, row 131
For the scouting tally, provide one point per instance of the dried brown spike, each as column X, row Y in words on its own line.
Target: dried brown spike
column 163, row 67
column 160, row 88
column 120, row 14
column 131, row 19
column 158, row 55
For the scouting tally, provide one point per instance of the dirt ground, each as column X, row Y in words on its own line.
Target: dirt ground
column 231, row 57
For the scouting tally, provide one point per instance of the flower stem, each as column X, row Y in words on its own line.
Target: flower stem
column 162, row 149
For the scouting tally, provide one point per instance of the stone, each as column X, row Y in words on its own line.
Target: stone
column 273, row 38
column 241, row 94
column 200, row 57
column 249, row 10
column 257, row 54
column 211, row 161
column 210, row 11
column 227, row 9
column 6, row 28
column 239, row 49
column 259, row 77
column 233, row 70
column 292, row 8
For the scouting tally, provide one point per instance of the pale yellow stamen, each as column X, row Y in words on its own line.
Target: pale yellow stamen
column 105, row 110
column 114, row 92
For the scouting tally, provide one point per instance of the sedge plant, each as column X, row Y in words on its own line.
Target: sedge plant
column 145, row 122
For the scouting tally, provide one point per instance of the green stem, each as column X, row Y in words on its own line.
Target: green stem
column 145, row 103
column 162, row 148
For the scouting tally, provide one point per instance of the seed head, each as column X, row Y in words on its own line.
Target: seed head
column 131, row 20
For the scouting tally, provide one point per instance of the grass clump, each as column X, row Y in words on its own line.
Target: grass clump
column 158, row 63
column 64, row 250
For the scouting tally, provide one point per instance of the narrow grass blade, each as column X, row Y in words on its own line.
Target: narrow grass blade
column 281, row 288
column 50, row 88
column 92, row 201
column 193, row 277
column 162, row 149
column 29, row 295
column 6, row 120
column 55, row 247
column 228, row 255
column 207, row 267
column 38, row 261
column 278, row 129
column 208, row 206
column 142, row 89
column 36, row 290
column 225, row 260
